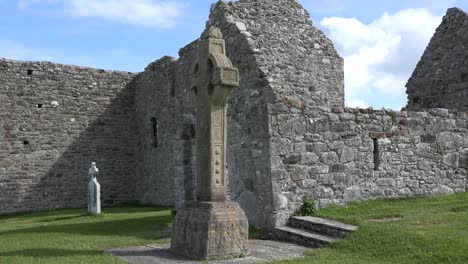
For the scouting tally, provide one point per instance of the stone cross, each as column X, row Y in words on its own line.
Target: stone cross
column 94, row 191
column 211, row 227
column 212, row 78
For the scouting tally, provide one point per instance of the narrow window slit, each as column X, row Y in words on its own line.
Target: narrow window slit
column 192, row 131
column 376, row 154
column 173, row 88
column 30, row 72
column 154, row 124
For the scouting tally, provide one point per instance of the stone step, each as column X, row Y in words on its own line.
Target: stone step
column 322, row 226
column 302, row 237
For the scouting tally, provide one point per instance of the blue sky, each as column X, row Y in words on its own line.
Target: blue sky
column 381, row 41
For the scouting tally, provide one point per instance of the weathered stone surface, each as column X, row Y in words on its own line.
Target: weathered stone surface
column 165, row 146
column 210, row 230
column 442, row 190
column 413, row 157
column 352, row 193
column 322, row 226
column 54, row 120
column 260, row 251
column 346, row 155
column 441, row 76
column 451, row 159
column 211, row 227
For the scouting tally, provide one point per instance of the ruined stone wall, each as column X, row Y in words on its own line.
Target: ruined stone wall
column 282, row 58
column 344, row 155
column 155, row 112
column 441, row 76
column 166, row 170
column 54, row 120
column 248, row 148
column 296, row 59
column 185, row 148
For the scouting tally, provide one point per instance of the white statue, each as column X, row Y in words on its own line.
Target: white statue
column 94, row 191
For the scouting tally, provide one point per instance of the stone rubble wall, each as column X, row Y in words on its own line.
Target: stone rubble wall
column 47, row 148
column 441, row 76
column 296, row 59
column 247, row 139
column 156, row 132
column 184, row 147
column 282, row 58
column 166, row 173
column 328, row 155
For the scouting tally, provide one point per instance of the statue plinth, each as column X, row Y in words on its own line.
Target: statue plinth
column 211, row 227
column 210, row 230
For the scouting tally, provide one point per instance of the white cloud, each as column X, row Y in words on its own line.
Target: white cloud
column 143, row 12
column 380, row 56
column 138, row 12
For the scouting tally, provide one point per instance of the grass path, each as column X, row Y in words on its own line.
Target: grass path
column 429, row 230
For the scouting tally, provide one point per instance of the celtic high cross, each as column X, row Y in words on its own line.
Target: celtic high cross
column 213, row 78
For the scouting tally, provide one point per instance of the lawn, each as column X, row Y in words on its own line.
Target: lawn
column 72, row 236
column 429, row 230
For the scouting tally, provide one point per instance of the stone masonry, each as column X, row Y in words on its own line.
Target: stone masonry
column 289, row 134
column 441, row 76
column 54, row 121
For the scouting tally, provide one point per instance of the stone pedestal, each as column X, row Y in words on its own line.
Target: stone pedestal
column 210, row 230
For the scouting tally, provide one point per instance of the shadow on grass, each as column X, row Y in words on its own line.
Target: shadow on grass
column 49, row 253
column 136, row 209
column 80, row 212
column 154, row 227
column 64, row 218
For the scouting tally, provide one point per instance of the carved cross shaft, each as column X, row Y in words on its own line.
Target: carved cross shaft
column 213, row 77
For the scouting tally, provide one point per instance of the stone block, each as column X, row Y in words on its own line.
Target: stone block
column 317, row 147
column 292, row 159
column 337, row 168
column 210, row 230
column 297, row 173
column 336, row 145
column 347, row 155
column 318, row 170
column 442, row 190
column 280, row 202
column 352, row 193
column 309, row 159
column 329, row 158
column 451, row 159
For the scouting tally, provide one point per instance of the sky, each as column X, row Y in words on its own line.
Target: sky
column 380, row 41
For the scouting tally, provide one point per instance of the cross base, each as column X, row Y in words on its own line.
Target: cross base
column 210, row 230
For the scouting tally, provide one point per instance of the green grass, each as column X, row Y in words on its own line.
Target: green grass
column 431, row 230
column 72, row 236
